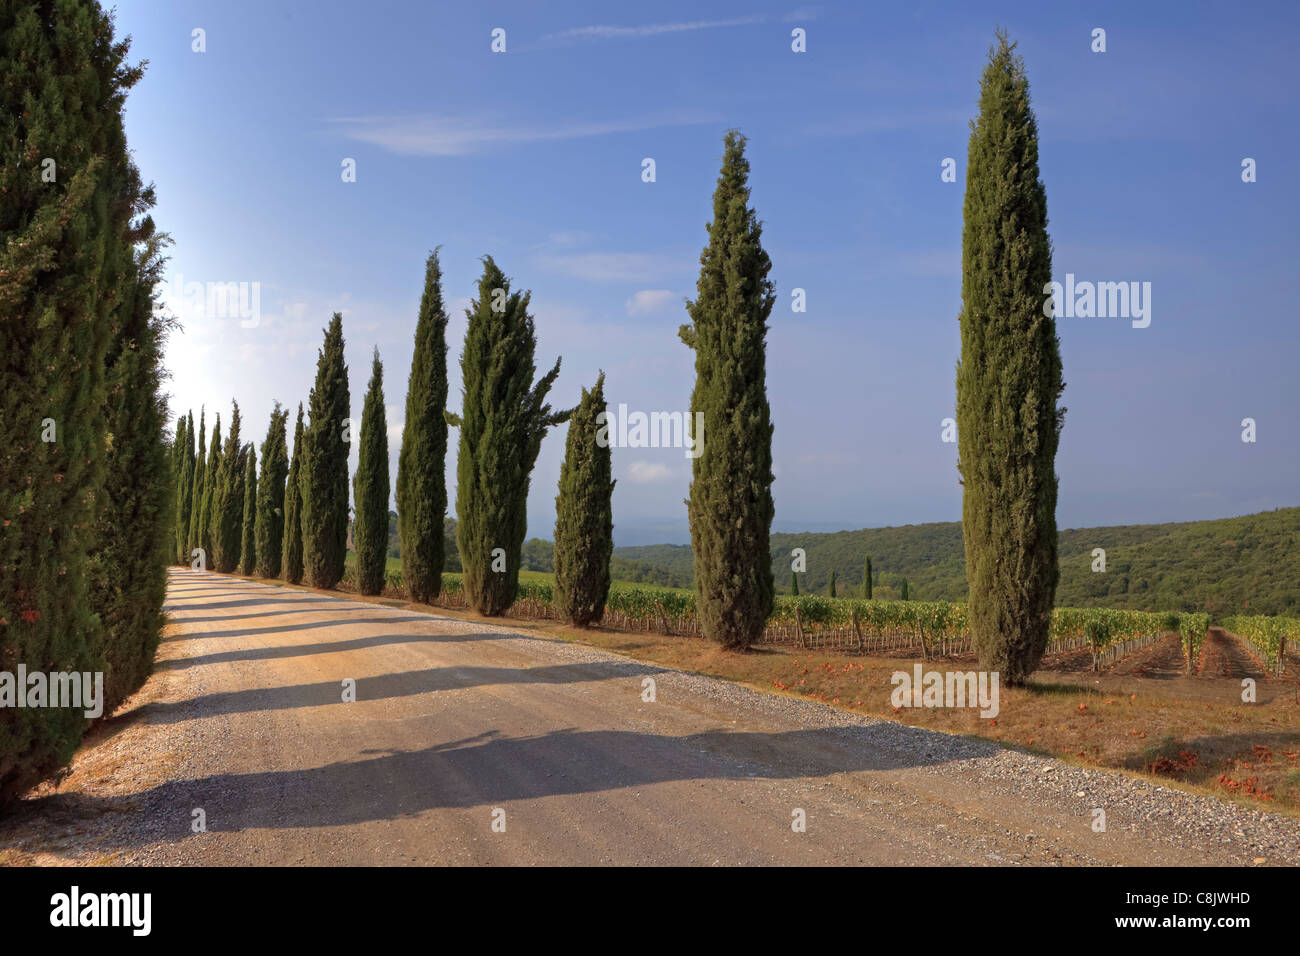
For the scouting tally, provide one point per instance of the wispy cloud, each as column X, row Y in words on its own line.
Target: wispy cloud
column 803, row 13
column 596, row 33
column 885, row 122
column 647, row 301
column 647, row 473
column 425, row 135
column 612, row 266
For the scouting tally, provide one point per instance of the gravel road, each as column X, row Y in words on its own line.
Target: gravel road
column 470, row 744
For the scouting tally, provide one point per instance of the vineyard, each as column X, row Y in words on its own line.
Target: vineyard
column 932, row 628
column 1268, row 635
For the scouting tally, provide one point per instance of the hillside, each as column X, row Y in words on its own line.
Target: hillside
column 1224, row 566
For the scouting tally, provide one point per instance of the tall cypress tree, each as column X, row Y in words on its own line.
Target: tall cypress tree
column 291, row 551
column 228, row 501
column 185, row 493
column 584, row 516
column 248, row 549
column 179, row 457
column 832, row 586
column 210, row 474
column 794, row 583
column 270, row 517
column 68, row 193
column 502, row 423
column 325, row 467
column 730, row 503
column 422, row 461
column 135, row 540
column 370, row 488
column 197, row 487
column 1008, row 380
column 903, row 590
column 866, row 580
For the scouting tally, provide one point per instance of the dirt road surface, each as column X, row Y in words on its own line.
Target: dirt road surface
column 458, row 725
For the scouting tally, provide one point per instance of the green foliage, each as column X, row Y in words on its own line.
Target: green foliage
column 866, row 580
column 584, row 517
column 206, row 500
column 194, row 534
column 730, row 504
column 1193, row 627
column 501, row 427
column 136, row 523
column 291, row 552
column 370, row 488
column 325, row 465
column 422, row 461
column 1269, row 635
column 182, row 461
column 832, row 585
column 903, row 591
column 1224, row 566
column 451, row 553
column 1008, row 380
column 228, row 501
column 248, row 549
column 269, row 518
column 68, row 273
column 794, row 583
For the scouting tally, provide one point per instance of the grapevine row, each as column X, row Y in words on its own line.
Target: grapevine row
column 934, row 626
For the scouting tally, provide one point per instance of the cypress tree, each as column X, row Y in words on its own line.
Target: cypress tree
column 730, row 504
column 228, row 501
column 210, row 475
column 185, row 493
column 1008, row 380
column 325, row 466
column 197, row 486
column 866, row 580
column 292, row 548
column 370, row 488
column 68, row 193
column 180, row 479
column 502, row 423
column 270, row 512
column 832, row 588
column 135, row 539
column 794, row 583
column 422, row 461
column 584, row 516
column 248, row 549
column 902, row 593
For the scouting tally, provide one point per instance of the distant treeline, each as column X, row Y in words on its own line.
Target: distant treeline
column 1246, row 565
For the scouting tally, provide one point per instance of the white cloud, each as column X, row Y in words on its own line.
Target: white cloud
column 647, row 472
column 653, row 29
column 649, row 300
column 454, row 136
column 564, row 239
column 611, row 266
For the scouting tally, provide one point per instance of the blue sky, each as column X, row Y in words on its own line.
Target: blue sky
column 535, row 155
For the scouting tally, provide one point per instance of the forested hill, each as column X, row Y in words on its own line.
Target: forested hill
column 1249, row 564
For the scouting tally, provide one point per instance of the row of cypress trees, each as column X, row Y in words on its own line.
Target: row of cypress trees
column 85, row 482
column 1008, row 384
column 292, row 521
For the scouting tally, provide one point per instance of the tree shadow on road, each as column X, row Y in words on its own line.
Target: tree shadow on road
column 492, row 769
column 384, row 687
column 325, row 647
